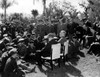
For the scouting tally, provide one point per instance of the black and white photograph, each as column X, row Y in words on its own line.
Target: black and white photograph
column 49, row 38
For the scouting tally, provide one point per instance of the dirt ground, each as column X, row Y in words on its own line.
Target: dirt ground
column 87, row 66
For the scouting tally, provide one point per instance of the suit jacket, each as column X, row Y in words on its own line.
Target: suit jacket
column 62, row 40
column 46, row 51
column 74, row 47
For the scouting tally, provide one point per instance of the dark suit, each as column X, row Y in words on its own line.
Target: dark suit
column 95, row 48
column 62, row 41
column 46, row 51
column 73, row 48
column 10, row 67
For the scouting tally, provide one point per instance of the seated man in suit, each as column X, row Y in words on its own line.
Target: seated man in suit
column 73, row 49
column 62, row 39
column 46, row 51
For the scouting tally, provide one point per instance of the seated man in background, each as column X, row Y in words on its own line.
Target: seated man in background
column 73, row 49
column 95, row 46
column 30, row 50
column 22, row 48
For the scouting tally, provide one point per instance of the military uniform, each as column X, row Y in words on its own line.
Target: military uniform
column 10, row 68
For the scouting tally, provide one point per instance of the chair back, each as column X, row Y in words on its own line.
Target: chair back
column 56, row 49
column 66, row 47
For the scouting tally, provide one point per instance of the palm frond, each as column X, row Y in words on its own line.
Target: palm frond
column 2, row 4
column 8, row 5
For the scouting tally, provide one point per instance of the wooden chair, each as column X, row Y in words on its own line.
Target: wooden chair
column 65, row 52
column 55, row 55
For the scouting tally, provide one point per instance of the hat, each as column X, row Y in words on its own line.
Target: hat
column 9, row 44
column 55, row 37
column 13, row 51
column 74, row 37
column 14, row 45
column 63, row 31
column 9, row 48
column 45, row 37
column 18, row 36
column 21, row 40
column 5, row 35
column 31, row 41
column 33, row 33
column 6, row 38
column 52, row 35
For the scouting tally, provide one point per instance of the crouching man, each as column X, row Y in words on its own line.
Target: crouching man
column 11, row 68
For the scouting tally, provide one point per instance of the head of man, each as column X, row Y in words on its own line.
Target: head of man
column 9, row 47
column 45, row 39
column 74, row 38
column 21, row 41
column 13, row 53
column 62, row 33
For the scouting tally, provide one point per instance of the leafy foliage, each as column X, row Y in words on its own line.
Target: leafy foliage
column 92, row 9
column 60, row 10
column 19, row 20
column 94, row 5
column 70, row 10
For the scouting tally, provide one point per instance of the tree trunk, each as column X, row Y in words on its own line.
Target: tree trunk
column 5, row 15
column 44, row 7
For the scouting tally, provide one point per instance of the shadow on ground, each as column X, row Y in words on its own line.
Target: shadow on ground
column 67, row 70
column 63, row 71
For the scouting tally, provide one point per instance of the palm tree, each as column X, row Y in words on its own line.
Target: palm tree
column 44, row 5
column 5, row 5
column 34, row 13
